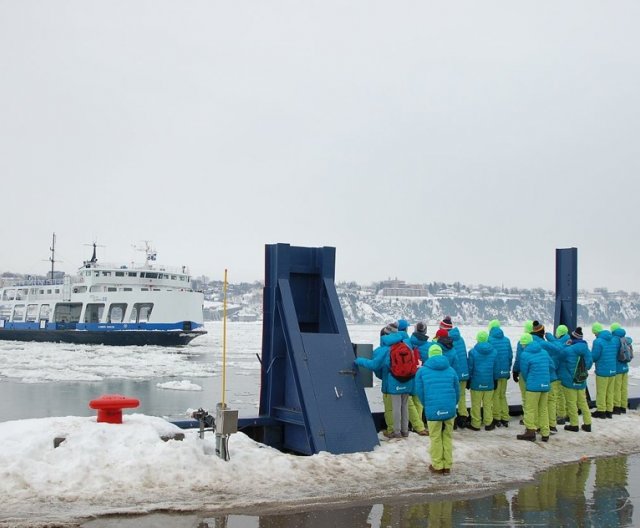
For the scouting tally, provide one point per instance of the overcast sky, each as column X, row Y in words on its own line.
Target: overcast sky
column 448, row 141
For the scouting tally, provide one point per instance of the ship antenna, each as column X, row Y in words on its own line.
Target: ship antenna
column 52, row 258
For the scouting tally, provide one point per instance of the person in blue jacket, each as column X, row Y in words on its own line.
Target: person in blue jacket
column 621, row 383
column 559, row 339
column 535, row 367
column 461, row 367
column 528, row 327
column 483, row 372
column 573, row 349
column 604, row 352
column 538, row 334
column 437, row 385
column 399, row 391
column 502, row 344
column 446, row 344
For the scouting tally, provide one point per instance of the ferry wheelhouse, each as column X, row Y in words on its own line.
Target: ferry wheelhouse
column 105, row 304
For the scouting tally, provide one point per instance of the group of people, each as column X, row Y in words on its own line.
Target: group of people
column 427, row 378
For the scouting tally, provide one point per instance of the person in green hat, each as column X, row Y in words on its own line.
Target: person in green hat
column 624, row 357
column 483, row 373
column 437, row 386
column 604, row 352
column 559, row 340
column 515, row 370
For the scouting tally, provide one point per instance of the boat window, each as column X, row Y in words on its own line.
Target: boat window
column 182, row 278
column 67, row 312
column 57, row 290
column 127, row 289
column 9, row 295
column 41, row 292
column 112, row 289
column 96, row 273
column 132, row 273
column 119, row 273
column 22, row 294
column 144, row 289
column 93, row 312
column 151, row 275
column 32, row 312
column 45, row 311
column 173, row 277
column 18, row 312
column 48, row 291
column 106, row 274
column 116, row 313
column 5, row 311
column 141, row 312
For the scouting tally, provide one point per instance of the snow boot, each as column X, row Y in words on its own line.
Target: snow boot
column 561, row 420
column 496, row 423
column 608, row 414
column 544, row 438
column 529, row 434
column 505, row 423
column 572, row 428
column 553, row 430
column 490, row 427
column 623, row 410
column 434, row 470
column 616, row 410
column 586, row 427
column 473, row 428
column 598, row 414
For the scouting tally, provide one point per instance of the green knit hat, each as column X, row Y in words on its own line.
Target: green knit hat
column 596, row 328
column 482, row 336
column 494, row 323
column 561, row 330
column 615, row 326
column 528, row 326
column 435, row 350
column 526, row 339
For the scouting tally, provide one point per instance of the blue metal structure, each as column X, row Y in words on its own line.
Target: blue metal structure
column 566, row 288
column 311, row 396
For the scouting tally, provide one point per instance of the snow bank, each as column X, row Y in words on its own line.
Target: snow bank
column 103, row 469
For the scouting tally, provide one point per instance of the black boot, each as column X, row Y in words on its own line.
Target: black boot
column 529, row 434
column 561, row 420
column 496, row 423
column 598, row 414
column 608, row 414
column 623, row 410
column 616, row 410
column 544, row 438
column 586, row 427
column 505, row 423
column 490, row 427
column 572, row 428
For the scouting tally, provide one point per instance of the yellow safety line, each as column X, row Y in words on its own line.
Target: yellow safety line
column 224, row 342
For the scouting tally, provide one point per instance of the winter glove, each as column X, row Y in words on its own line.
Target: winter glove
column 516, row 376
column 469, row 384
column 495, row 384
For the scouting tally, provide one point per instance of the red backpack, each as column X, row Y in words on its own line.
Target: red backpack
column 404, row 361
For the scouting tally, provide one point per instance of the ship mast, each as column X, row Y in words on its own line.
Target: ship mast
column 52, row 258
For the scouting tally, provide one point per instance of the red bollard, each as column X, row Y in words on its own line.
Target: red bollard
column 110, row 407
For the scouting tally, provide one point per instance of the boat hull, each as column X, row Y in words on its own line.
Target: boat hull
column 117, row 338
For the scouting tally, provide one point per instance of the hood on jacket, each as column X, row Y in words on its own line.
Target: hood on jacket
column 496, row 332
column 606, row 335
column 533, row 348
column 437, row 363
column 619, row 332
column 484, row 348
column 391, row 339
column 454, row 333
column 419, row 338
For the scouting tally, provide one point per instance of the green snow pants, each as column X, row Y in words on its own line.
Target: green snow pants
column 604, row 393
column 462, row 401
column 484, row 400
column 536, row 411
column 577, row 399
column 500, row 405
column 621, row 391
column 415, row 414
column 556, row 388
column 441, row 448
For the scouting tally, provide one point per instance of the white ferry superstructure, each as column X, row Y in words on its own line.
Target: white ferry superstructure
column 105, row 304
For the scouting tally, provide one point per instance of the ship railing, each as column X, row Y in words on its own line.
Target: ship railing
column 134, row 266
column 16, row 283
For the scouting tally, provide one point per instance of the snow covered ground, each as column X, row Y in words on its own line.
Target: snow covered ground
column 104, row 469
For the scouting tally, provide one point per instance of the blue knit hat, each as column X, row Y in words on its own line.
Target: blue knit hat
column 403, row 324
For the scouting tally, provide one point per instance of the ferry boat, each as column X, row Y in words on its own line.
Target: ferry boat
column 104, row 304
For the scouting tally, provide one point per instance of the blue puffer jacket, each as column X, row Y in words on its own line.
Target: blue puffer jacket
column 604, row 352
column 483, row 367
column 516, row 361
column 418, row 341
column 553, row 349
column 438, row 388
column 535, row 366
column 569, row 355
column 502, row 344
column 462, row 364
column 381, row 363
column 448, row 351
column 618, row 335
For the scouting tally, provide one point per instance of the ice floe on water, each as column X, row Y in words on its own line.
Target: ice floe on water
column 104, row 469
column 184, row 385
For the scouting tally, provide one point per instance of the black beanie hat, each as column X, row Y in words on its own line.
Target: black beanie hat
column 577, row 333
column 538, row 329
column 421, row 328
